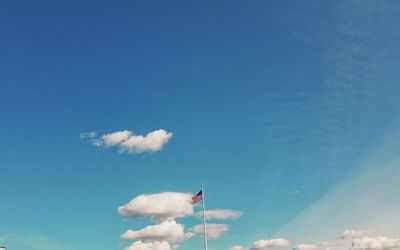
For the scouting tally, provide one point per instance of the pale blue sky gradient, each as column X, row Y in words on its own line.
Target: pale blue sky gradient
column 272, row 105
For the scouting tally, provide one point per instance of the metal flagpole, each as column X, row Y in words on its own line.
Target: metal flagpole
column 204, row 216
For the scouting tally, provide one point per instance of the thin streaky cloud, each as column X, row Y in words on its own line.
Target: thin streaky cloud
column 352, row 234
column 305, row 247
column 220, row 214
column 213, row 230
column 265, row 244
column 237, row 247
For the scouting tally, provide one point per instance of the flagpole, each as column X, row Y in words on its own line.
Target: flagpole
column 204, row 217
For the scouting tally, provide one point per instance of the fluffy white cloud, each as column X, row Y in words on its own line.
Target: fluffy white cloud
column 220, row 214
column 237, row 247
column 213, row 230
column 352, row 234
column 375, row 243
column 305, row 247
column 167, row 231
column 127, row 141
column 160, row 207
column 155, row 245
column 264, row 244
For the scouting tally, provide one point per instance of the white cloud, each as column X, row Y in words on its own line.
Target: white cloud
column 127, row 141
column 352, row 234
column 213, row 230
column 88, row 135
column 161, row 207
column 375, row 243
column 237, row 247
column 329, row 245
column 167, row 231
column 264, row 244
column 155, row 245
column 305, row 247
column 220, row 214
column 326, row 244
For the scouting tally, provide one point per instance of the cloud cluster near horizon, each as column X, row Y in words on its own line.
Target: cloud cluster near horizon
column 163, row 209
column 375, row 243
column 264, row 244
column 368, row 239
column 128, row 141
column 361, row 239
column 305, row 247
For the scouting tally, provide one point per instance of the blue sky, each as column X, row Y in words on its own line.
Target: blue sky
column 283, row 109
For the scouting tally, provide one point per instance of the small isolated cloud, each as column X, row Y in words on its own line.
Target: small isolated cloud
column 237, row 247
column 220, row 214
column 154, row 245
column 375, row 243
column 89, row 135
column 128, row 141
column 160, row 207
column 264, row 244
column 213, row 230
column 352, row 234
column 305, row 247
column 167, row 231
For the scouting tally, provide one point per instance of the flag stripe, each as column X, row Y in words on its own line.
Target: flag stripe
column 198, row 197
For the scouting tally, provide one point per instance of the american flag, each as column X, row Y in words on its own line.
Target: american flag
column 197, row 197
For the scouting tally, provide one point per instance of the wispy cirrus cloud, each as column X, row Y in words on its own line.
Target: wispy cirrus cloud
column 128, row 141
column 237, row 247
column 213, row 230
column 220, row 214
column 36, row 242
column 352, row 234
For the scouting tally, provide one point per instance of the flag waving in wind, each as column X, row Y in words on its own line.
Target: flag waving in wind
column 197, row 197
